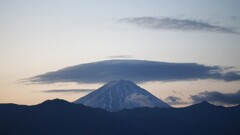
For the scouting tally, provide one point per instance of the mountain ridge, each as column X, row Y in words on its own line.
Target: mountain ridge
column 56, row 117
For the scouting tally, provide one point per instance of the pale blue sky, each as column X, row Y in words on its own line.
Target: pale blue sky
column 38, row 36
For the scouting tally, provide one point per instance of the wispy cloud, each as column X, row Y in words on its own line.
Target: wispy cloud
column 120, row 56
column 173, row 100
column 136, row 70
column 177, row 24
column 235, row 18
column 68, row 91
column 217, row 97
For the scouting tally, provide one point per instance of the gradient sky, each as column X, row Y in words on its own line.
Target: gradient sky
column 39, row 36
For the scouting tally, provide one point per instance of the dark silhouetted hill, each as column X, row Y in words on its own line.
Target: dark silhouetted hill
column 59, row 117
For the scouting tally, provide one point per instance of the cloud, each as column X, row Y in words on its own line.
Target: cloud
column 217, row 97
column 231, row 76
column 120, row 56
column 68, row 91
column 177, row 24
column 139, row 99
column 136, row 70
column 235, row 18
column 172, row 100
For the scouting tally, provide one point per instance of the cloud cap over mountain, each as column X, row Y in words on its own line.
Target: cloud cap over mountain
column 136, row 70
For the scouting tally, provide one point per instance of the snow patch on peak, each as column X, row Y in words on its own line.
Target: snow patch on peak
column 116, row 82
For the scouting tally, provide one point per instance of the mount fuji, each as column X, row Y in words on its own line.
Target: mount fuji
column 122, row 94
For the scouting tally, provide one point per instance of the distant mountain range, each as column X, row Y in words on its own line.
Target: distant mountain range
column 121, row 94
column 59, row 117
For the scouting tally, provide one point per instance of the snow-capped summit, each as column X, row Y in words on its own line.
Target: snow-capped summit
column 121, row 94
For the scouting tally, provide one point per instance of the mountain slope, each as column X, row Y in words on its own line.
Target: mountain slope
column 118, row 95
